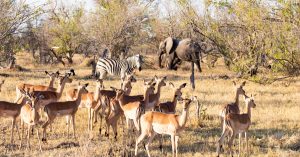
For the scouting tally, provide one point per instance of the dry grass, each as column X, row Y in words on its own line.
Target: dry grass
column 275, row 129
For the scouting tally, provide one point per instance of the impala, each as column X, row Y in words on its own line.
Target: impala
column 115, row 111
column 66, row 108
column 153, row 123
column 29, row 115
column 52, row 96
column 132, row 106
column 10, row 110
column 170, row 106
column 235, row 123
column 233, row 107
column 50, row 87
column 154, row 98
column 89, row 100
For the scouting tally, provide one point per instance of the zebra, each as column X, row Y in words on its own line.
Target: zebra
column 118, row 67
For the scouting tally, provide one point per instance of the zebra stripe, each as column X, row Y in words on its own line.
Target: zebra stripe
column 118, row 67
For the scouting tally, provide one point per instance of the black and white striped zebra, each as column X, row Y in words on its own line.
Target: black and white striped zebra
column 118, row 67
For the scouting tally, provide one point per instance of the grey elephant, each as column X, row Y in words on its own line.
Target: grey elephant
column 180, row 50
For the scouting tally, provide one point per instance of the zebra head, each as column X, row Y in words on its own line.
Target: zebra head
column 138, row 61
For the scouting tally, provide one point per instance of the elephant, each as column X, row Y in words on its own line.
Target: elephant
column 180, row 50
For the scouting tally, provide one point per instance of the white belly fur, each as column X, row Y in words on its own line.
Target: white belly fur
column 163, row 128
column 131, row 114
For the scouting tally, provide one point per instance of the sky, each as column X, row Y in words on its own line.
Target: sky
column 164, row 5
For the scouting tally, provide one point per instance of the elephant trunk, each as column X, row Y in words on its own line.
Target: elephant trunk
column 159, row 58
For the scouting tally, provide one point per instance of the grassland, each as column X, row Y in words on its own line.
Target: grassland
column 275, row 130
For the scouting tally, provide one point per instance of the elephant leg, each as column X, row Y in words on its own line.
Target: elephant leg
column 170, row 60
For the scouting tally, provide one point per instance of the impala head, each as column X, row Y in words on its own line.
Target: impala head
column 239, row 88
column 160, row 81
column 250, row 101
column 149, row 88
column 1, row 83
column 71, row 72
column 131, row 78
column 119, row 92
column 177, row 91
column 82, row 87
column 100, row 83
column 186, row 103
column 148, row 84
column 65, row 79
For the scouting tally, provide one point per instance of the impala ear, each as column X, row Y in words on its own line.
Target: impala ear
column 243, row 84
column 57, row 72
column 86, row 84
column 183, row 85
column 165, row 77
column 72, row 71
column 155, row 77
column 153, row 84
column 46, row 72
column 234, row 83
column 171, row 84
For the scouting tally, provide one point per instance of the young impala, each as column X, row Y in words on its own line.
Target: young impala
column 153, row 123
column 66, row 108
column 234, row 124
column 29, row 115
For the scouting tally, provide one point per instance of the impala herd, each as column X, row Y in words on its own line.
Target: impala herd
column 149, row 116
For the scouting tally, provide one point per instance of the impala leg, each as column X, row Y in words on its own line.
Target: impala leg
column 231, row 142
column 68, row 128
column 160, row 142
column 92, row 118
column 139, row 139
column 38, row 136
column 115, row 130
column 89, row 119
column 12, row 131
column 136, row 124
column 22, row 131
column 28, row 137
column 73, row 122
column 17, row 128
column 148, row 143
column 247, row 146
column 173, row 144
column 176, row 144
column 240, row 134
column 45, row 125
column 221, row 141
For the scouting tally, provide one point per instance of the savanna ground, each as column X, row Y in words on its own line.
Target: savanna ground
column 275, row 130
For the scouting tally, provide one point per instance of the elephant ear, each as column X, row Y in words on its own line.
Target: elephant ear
column 169, row 44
